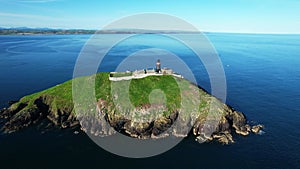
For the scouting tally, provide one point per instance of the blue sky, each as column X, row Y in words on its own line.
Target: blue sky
column 251, row 16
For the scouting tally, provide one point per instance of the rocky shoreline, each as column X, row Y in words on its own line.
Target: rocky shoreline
column 190, row 110
column 18, row 117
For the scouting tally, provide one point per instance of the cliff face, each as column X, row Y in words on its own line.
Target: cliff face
column 23, row 115
column 212, row 121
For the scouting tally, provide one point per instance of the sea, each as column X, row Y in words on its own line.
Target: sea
column 262, row 73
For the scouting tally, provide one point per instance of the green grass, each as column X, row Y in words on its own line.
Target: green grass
column 129, row 94
column 59, row 96
column 140, row 89
column 102, row 86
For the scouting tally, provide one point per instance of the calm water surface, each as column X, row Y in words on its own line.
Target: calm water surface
column 263, row 79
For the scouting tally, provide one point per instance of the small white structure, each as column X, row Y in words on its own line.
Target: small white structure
column 138, row 74
column 167, row 71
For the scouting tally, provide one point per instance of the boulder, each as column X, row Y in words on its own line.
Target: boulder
column 242, row 132
column 255, row 129
column 223, row 137
column 238, row 120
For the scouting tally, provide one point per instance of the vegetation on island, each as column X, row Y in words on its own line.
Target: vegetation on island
column 141, row 108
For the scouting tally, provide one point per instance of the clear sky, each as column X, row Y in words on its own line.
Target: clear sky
column 251, row 16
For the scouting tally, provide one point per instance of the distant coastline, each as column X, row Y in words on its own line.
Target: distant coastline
column 43, row 31
column 50, row 31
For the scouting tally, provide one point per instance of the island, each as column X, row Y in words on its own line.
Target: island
column 158, row 99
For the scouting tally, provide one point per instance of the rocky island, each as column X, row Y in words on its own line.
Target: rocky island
column 157, row 102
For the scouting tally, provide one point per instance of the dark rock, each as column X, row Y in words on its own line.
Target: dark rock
column 118, row 123
column 138, row 129
column 248, row 127
column 22, row 119
column 173, row 116
column 238, row 122
column 7, row 113
column 224, row 137
column 182, row 127
column 98, row 126
column 12, row 102
column 160, row 125
column 23, row 115
column 238, row 119
column 223, row 124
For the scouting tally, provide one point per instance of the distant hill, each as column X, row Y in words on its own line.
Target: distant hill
column 32, row 31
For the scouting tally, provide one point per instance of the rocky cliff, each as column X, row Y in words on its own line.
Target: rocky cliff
column 213, row 120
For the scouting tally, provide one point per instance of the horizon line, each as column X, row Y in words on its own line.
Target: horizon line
column 134, row 29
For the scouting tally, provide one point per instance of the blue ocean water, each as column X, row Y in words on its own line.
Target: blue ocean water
column 263, row 79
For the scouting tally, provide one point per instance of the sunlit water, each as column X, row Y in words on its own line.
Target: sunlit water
column 263, row 79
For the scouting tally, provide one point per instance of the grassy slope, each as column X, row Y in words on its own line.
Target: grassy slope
column 59, row 97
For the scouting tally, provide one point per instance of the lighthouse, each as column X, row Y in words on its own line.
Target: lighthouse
column 158, row 66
